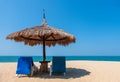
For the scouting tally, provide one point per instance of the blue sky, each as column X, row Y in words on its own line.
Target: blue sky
column 94, row 23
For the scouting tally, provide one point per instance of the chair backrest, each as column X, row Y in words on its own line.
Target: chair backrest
column 24, row 65
column 59, row 64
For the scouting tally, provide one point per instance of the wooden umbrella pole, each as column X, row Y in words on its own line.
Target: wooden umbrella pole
column 44, row 64
column 44, row 54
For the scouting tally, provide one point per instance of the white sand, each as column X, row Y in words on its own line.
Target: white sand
column 77, row 71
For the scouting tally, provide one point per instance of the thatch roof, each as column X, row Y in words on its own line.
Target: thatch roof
column 35, row 35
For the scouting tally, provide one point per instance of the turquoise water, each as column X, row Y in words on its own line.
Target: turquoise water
column 68, row 58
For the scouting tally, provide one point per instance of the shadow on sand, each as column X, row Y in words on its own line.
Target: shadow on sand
column 70, row 73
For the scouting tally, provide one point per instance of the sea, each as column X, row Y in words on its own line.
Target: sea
column 68, row 58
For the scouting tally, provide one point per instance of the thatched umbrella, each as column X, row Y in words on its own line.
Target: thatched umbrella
column 43, row 34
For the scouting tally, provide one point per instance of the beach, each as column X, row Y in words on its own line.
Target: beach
column 77, row 71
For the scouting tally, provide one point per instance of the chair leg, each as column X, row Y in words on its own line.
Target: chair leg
column 50, row 70
column 16, row 75
column 64, row 73
column 50, row 73
column 31, row 73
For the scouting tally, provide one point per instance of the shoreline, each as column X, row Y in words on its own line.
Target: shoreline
column 68, row 58
column 70, row 61
column 76, row 71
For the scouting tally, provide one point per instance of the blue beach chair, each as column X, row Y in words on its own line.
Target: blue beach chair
column 24, row 65
column 58, row 65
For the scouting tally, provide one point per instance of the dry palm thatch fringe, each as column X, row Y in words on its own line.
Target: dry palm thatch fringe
column 35, row 35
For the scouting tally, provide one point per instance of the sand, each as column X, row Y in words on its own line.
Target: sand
column 77, row 71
